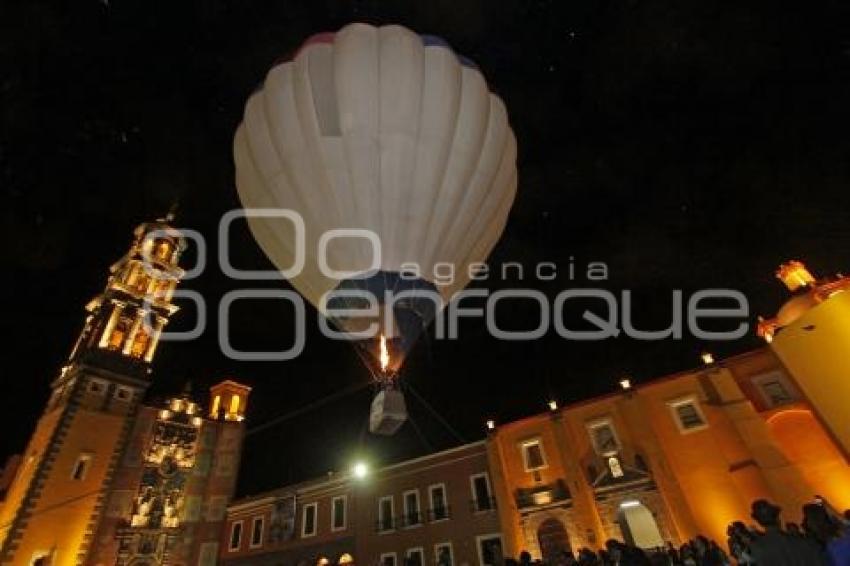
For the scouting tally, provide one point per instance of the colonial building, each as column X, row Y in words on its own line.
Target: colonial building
column 297, row 524
column 438, row 509
column 104, row 478
column 810, row 334
column 667, row 460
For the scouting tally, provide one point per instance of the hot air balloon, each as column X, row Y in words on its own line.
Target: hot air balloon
column 385, row 130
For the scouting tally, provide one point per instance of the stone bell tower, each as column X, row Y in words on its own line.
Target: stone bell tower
column 53, row 505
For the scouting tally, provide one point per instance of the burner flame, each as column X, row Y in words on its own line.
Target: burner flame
column 384, row 355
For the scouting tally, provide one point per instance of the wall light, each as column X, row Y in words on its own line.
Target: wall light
column 707, row 358
column 626, row 384
column 491, row 425
column 553, row 405
column 629, row 503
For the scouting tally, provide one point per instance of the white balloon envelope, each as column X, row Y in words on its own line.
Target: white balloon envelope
column 379, row 129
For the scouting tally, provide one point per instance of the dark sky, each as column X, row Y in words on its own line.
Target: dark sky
column 685, row 144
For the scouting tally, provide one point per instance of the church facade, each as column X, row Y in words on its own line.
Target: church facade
column 105, row 478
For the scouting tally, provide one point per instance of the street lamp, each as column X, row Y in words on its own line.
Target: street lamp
column 360, row 470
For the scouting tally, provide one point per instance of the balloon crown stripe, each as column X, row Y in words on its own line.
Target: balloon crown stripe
column 427, row 40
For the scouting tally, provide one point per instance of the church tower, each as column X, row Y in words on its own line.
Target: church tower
column 54, row 504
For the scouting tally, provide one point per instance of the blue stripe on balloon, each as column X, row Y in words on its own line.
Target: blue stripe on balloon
column 437, row 41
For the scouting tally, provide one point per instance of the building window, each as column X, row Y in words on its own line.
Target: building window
column 443, row 555
column 385, row 513
column 338, row 511
column 141, row 283
column 482, row 499
column 774, row 389
column 140, row 343
column 415, row 556
column 388, row 559
column 439, row 504
column 532, row 455
column 163, row 249
column 123, row 393
column 235, row 536
column 122, row 328
column 346, row 558
column 97, row 387
column 615, row 467
column 216, row 405
column 604, row 437
column 81, row 467
column 688, row 415
column 257, row 525
column 490, row 551
column 775, row 392
column 412, row 513
column 308, row 520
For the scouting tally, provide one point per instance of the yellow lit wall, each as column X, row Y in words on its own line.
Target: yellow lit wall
column 806, row 444
column 702, row 461
column 29, row 463
column 815, row 349
column 706, row 477
column 59, row 520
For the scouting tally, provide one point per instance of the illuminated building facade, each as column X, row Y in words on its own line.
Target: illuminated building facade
column 664, row 461
column 105, row 479
column 810, row 334
column 168, row 498
column 437, row 509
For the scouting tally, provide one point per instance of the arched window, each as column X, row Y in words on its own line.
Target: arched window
column 142, row 284
column 119, row 333
column 234, row 405
column 163, row 250
column 140, row 343
column 346, row 558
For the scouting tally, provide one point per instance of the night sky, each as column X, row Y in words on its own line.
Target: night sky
column 685, row 144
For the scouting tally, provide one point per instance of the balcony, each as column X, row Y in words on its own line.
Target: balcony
column 439, row 514
column 390, row 524
column 386, row 524
column 542, row 495
column 413, row 519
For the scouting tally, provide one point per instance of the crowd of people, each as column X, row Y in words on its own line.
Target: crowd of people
column 823, row 539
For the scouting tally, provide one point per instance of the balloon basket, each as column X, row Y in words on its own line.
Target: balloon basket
column 388, row 411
